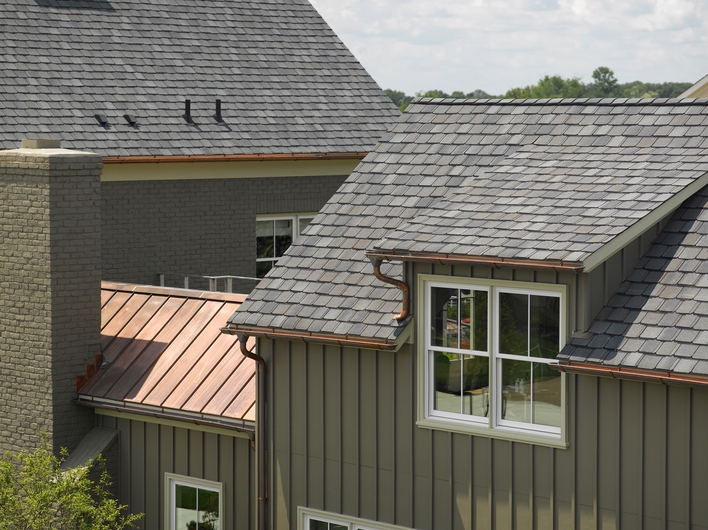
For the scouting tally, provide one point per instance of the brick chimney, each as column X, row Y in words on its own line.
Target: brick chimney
column 50, row 300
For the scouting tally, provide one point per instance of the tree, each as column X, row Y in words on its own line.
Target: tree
column 605, row 81
column 37, row 494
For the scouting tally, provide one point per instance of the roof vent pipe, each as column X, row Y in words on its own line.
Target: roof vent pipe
column 217, row 115
column 187, row 110
column 405, row 309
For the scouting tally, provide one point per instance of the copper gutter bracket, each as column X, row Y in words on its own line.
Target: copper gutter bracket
column 405, row 309
column 260, row 426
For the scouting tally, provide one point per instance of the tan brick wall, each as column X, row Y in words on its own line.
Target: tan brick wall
column 50, row 272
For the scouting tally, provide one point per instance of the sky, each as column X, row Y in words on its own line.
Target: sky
column 495, row 45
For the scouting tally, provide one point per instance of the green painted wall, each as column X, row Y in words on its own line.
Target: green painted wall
column 148, row 450
column 344, row 440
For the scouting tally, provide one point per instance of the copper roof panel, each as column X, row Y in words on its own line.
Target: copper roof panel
column 133, row 348
column 164, row 353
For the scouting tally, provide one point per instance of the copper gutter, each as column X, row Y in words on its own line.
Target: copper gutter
column 160, row 412
column 617, row 372
column 341, row 340
column 449, row 259
column 231, row 158
column 406, row 301
column 260, row 427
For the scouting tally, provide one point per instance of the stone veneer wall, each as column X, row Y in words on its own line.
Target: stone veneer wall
column 196, row 226
column 50, row 273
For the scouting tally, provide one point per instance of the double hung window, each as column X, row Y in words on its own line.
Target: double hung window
column 274, row 235
column 310, row 519
column 193, row 504
column 487, row 359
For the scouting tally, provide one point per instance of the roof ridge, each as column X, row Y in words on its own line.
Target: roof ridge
column 612, row 102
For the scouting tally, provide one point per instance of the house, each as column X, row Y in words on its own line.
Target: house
column 698, row 90
column 159, row 141
column 179, row 397
column 214, row 120
column 498, row 321
column 165, row 397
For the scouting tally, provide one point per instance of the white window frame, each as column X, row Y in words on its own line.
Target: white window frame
column 492, row 425
column 305, row 515
column 172, row 480
column 295, row 218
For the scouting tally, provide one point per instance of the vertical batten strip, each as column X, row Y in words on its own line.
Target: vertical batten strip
column 618, row 468
column 641, row 451
column 306, row 422
column 596, row 456
column 689, row 456
column 574, row 464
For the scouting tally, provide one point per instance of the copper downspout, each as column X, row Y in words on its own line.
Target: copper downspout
column 447, row 259
column 405, row 309
column 617, row 372
column 260, row 426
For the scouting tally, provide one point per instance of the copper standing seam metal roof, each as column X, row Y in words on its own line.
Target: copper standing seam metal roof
column 163, row 354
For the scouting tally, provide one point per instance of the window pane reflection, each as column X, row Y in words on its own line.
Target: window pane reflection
column 448, row 382
column 476, row 385
column 544, row 326
column 516, row 390
column 283, row 236
column 513, row 323
column 546, row 395
column 444, row 317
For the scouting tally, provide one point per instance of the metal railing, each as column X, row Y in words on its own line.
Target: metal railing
column 227, row 281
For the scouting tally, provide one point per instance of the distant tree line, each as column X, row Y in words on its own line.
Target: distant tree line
column 603, row 85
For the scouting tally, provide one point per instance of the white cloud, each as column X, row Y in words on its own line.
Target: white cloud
column 494, row 45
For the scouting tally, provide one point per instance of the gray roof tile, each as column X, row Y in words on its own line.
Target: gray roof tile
column 516, row 192
column 273, row 64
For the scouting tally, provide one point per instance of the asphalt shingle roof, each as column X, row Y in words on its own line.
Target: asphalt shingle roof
column 286, row 82
column 533, row 179
column 658, row 318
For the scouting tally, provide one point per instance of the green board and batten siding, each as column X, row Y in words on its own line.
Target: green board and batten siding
column 149, row 449
column 344, row 438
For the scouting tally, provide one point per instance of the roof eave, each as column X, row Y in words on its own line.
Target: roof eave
column 324, row 338
column 450, row 259
column 636, row 374
column 249, row 157
column 197, row 418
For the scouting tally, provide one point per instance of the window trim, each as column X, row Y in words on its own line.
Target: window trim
column 491, row 428
column 172, row 479
column 304, row 514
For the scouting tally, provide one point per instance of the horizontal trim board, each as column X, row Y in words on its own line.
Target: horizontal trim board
column 183, row 424
column 201, row 170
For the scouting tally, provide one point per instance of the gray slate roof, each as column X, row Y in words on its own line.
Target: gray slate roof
column 540, row 179
column 658, row 318
column 286, row 82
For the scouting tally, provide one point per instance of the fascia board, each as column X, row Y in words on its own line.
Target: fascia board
column 645, row 223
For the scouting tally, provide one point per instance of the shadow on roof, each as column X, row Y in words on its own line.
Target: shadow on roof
column 100, row 5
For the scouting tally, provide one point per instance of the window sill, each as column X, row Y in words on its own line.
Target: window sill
column 499, row 433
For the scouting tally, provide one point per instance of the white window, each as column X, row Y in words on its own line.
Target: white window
column 193, row 504
column 488, row 347
column 274, row 235
column 309, row 519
